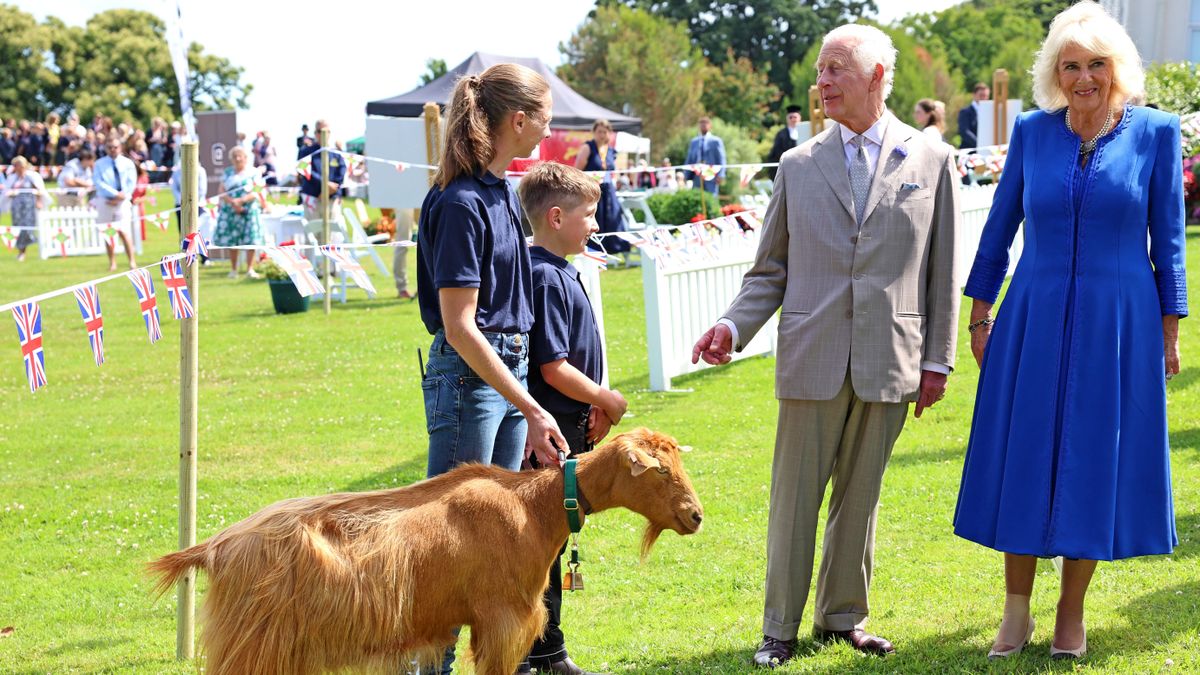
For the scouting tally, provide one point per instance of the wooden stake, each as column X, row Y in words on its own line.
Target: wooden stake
column 323, row 139
column 1000, row 101
column 816, row 114
column 433, row 137
column 189, row 358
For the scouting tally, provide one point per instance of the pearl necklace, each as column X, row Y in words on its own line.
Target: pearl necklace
column 1087, row 147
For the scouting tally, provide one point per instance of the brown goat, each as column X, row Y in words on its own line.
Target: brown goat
column 368, row 581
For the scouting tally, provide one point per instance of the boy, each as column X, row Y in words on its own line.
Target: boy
column 565, row 359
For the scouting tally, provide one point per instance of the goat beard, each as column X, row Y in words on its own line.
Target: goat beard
column 648, row 538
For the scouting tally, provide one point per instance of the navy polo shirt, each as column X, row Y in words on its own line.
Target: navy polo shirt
column 564, row 327
column 469, row 236
column 311, row 186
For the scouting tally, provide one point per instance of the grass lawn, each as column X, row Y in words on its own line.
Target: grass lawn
column 308, row 404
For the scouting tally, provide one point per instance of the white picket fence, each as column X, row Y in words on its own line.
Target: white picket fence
column 684, row 299
column 83, row 236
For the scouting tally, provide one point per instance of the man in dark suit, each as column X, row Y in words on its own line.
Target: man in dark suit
column 787, row 138
column 968, row 117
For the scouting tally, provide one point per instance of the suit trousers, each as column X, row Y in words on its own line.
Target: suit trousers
column 849, row 440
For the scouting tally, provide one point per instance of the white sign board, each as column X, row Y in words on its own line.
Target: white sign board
column 987, row 121
column 400, row 139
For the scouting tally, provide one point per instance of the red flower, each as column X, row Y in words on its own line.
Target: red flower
column 697, row 218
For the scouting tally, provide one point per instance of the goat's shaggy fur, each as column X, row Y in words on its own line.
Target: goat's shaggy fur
column 368, row 581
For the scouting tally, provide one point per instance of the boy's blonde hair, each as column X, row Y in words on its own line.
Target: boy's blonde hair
column 552, row 184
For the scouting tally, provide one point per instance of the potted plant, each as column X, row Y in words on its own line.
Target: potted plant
column 284, row 295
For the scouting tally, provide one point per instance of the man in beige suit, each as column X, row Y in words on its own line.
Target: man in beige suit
column 857, row 251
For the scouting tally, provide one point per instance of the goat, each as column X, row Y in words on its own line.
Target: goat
column 368, row 581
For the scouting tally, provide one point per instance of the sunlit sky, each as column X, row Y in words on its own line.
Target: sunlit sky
column 374, row 49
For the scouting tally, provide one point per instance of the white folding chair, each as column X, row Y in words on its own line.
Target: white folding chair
column 358, row 235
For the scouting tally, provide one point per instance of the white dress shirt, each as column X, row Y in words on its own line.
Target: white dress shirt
column 873, row 146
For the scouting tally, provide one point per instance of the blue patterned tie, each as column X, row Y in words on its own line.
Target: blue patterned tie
column 860, row 177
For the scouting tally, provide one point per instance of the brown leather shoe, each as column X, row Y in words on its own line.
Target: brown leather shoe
column 773, row 652
column 564, row 667
column 859, row 639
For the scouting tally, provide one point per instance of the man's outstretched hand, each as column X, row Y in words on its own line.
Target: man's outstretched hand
column 715, row 346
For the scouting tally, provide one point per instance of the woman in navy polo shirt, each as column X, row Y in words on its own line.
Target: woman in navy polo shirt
column 475, row 282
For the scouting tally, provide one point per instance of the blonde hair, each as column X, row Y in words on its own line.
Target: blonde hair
column 552, row 184
column 870, row 46
column 479, row 105
column 1088, row 26
column 602, row 123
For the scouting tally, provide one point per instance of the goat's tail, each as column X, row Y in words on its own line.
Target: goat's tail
column 172, row 566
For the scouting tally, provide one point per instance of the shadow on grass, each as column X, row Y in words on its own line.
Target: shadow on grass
column 1186, row 438
column 89, row 645
column 929, row 456
column 1154, row 619
column 951, row 651
column 397, row 475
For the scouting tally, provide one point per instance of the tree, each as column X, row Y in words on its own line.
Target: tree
column 739, row 94
column 436, row 68
column 627, row 59
column 1174, row 87
column 972, row 37
column 772, row 34
column 25, row 74
column 117, row 63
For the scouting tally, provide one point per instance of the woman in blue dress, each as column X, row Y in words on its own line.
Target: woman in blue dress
column 1068, row 454
column 600, row 154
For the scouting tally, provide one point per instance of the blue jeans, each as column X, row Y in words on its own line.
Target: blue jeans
column 467, row 419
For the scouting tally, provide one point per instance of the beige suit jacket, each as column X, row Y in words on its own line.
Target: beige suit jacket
column 879, row 299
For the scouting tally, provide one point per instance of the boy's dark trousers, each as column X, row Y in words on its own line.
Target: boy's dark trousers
column 551, row 646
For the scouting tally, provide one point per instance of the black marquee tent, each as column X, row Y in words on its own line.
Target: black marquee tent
column 571, row 111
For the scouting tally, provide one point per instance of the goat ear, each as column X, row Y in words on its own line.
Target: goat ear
column 639, row 461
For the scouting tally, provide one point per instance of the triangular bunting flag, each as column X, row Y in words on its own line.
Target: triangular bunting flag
column 143, row 284
column 299, row 269
column 177, row 290
column 93, row 322
column 29, row 333
column 346, row 262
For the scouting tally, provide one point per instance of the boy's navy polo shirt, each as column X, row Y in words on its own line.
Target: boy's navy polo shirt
column 564, row 328
column 311, row 186
column 469, row 236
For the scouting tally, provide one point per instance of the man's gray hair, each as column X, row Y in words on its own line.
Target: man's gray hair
column 870, row 46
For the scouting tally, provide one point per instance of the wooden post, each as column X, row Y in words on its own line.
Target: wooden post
column 323, row 139
column 1000, row 101
column 816, row 114
column 189, row 358
column 433, row 137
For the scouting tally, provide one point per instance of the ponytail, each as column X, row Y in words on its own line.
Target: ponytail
column 478, row 106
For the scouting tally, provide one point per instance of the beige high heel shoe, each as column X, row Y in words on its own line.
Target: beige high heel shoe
column 1013, row 651
column 1056, row 653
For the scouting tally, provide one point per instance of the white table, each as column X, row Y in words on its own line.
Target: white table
column 282, row 225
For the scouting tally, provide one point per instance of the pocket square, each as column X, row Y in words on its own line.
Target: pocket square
column 909, row 186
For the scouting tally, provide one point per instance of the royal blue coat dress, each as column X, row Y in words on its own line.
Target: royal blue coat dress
column 1068, row 453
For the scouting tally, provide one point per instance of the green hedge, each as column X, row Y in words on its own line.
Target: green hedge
column 677, row 208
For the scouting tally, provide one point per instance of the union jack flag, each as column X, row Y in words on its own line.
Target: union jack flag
column 89, row 306
column 29, row 332
column 299, row 269
column 748, row 173
column 177, row 290
column 346, row 262
column 144, row 285
column 195, row 246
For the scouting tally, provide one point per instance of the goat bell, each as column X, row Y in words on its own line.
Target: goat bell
column 573, row 579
